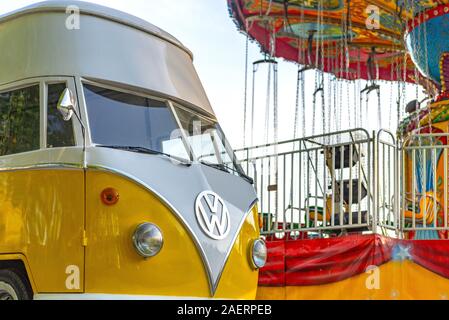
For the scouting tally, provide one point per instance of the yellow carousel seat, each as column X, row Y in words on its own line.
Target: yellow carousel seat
column 427, row 208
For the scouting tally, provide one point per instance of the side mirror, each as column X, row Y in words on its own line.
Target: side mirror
column 67, row 104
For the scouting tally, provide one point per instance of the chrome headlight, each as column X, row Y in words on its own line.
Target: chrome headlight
column 258, row 253
column 148, row 240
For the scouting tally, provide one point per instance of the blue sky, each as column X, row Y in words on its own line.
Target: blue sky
column 205, row 27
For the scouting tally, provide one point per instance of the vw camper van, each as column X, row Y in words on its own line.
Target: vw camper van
column 116, row 180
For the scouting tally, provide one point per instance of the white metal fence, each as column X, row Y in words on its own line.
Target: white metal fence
column 348, row 181
column 386, row 181
column 424, row 194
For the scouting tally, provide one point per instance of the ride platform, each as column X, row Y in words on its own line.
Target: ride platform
column 356, row 267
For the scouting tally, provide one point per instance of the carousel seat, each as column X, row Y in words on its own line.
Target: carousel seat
column 355, row 190
column 424, row 209
column 345, row 221
column 355, row 218
column 346, row 153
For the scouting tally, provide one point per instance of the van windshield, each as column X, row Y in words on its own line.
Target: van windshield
column 124, row 120
column 207, row 141
column 134, row 123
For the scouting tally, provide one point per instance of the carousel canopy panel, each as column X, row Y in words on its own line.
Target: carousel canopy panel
column 352, row 39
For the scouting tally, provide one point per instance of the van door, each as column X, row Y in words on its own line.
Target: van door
column 42, row 184
column 63, row 145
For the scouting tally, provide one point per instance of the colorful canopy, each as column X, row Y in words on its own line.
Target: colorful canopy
column 428, row 42
column 352, row 39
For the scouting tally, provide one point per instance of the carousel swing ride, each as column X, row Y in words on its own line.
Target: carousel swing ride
column 348, row 213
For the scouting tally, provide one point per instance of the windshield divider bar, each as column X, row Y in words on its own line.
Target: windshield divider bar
column 183, row 133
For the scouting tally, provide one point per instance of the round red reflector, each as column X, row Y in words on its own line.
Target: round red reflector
column 110, row 196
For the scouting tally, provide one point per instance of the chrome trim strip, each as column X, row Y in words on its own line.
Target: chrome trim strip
column 44, row 166
column 108, row 296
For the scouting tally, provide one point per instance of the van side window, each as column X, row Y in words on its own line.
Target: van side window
column 59, row 132
column 19, row 120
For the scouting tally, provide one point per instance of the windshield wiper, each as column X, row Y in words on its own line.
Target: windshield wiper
column 147, row 151
column 225, row 168
column 218, row 166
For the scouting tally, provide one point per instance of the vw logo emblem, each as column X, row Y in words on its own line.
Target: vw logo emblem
column 212, row 215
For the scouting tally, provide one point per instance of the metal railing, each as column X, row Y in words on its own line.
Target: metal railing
column 349, row 181
column 320, row 184
column 386, row 181
column 424, row 193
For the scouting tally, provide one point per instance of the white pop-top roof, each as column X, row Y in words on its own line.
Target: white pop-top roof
column 98, row 11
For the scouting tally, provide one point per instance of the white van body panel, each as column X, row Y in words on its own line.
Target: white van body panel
column 109, row 45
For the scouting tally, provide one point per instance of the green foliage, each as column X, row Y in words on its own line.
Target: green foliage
column 19, row 120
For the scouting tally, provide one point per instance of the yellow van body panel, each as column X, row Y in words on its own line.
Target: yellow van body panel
column 42, row 218
column 114, row 267
column 239, row 279
column 42, row 224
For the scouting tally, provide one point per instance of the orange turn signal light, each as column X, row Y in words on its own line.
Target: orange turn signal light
column 261, row 220
column 109, row 196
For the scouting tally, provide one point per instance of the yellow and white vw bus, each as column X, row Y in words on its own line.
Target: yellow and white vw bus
column 116, row 180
